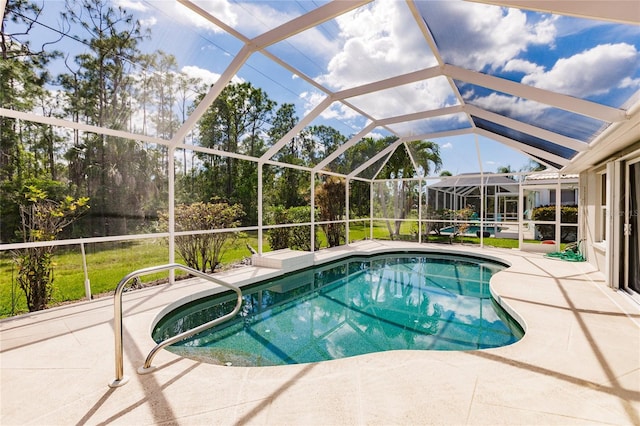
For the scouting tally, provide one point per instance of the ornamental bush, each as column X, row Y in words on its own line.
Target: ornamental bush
column 294, row 237
column 43, row 217
column 203, row 251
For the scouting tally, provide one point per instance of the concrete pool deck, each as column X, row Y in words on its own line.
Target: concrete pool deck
column 579, row 363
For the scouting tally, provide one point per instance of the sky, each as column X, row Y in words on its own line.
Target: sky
column 587, row 59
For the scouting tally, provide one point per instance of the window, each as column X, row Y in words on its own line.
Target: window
column 602, row 207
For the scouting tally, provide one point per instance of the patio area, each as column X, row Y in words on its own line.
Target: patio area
column 578, row 363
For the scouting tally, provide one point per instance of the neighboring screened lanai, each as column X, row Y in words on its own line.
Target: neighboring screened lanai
column 142, row 105
column 500, row 193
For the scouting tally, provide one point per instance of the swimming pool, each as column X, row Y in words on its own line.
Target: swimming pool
column 359, row 305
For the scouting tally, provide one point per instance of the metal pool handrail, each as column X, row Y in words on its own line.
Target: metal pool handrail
column 121, row 379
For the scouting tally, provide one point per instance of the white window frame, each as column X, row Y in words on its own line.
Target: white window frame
column 601, row 221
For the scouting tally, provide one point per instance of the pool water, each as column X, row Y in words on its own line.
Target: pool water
column 353, row 307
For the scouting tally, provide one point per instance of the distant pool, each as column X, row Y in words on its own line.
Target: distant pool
column 471, row 230
column 352, row 307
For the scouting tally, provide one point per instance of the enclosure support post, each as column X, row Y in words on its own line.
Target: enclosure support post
column 558, row 203
column 313, row 211
column 371, row 210
column 419, row 210
column 172, row 211
column 87, row 283
column 496, row 208
column 521, row 202
column 482, row 195
column 346, row 212
column 260, row 201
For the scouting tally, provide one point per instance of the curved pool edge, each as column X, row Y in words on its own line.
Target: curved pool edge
column 365, row 249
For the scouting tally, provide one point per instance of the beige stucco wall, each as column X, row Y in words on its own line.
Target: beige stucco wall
column 589, row 225
column 612, row 266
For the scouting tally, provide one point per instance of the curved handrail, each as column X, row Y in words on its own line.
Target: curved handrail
column 121, row 379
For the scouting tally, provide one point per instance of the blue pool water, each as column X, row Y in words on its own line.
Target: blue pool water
column 356, row 306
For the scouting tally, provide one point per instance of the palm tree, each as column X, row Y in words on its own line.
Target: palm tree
column 417, row 158
column 426, row 155
column 533, row 166
column 506, row 169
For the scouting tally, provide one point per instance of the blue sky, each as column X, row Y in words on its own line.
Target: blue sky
column 583, row 58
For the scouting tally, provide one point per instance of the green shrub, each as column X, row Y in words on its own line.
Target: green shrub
column 278, row 237
column 203, row 251
column 43, row 217
column 295, row 237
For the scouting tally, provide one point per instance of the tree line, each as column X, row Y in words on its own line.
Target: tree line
column 65, row 182
column 113, row 84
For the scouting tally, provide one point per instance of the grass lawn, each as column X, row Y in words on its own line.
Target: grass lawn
column 108, row 263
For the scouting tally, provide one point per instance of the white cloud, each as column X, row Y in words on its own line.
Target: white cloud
column 221, row 9
column 510, row 106
column 258, row 17
column 254, row 18
column 131, row 5
column 592, row 72
column 629, row 82
column 421, row 96
column 521, row 65
column 248, row 18
column 375, row 41
column 482, row 36
column 311, row 100
column 206, row 76
column 376, row 135
column 339, row 111
column 447, row 145
column 336, row 110
column 148, row 22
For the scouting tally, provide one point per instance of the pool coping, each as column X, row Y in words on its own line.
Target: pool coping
column 577, row 363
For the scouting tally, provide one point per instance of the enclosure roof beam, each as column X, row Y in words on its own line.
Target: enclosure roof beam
column 303, row 22
column 428, row 36
column 547, row 97
column 288, row 29
column 291, row 134
column 525, row 149
column 209, row 17
column 436, row 135
column 243, row 157
column 345, row 146
column 376, row 157
column 413, row 161
column 329, row 173
column 389, row 83
column 622, row 11
column 237, row 62
column 52, row 121
column 538, row 132
column 466, row 192
column 421, row 115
